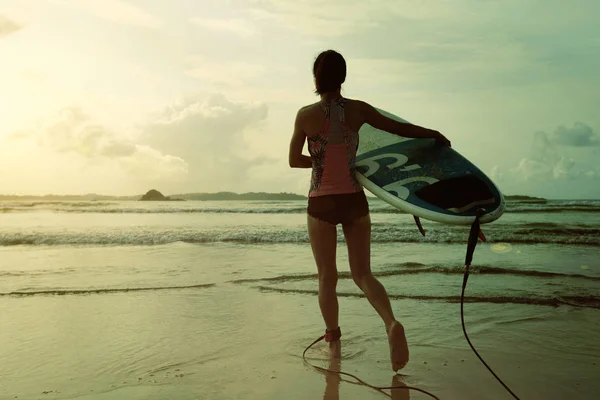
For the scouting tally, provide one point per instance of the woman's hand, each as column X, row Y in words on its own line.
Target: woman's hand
column 441, row 139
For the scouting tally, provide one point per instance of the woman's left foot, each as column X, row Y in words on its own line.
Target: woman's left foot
column 398, row 346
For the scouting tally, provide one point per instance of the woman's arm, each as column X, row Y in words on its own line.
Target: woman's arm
column 295, row 157
column 379, row 121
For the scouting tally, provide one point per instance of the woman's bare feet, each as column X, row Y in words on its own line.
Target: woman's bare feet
column 398, row 346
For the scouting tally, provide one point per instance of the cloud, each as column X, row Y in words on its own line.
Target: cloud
column 237, row 26
column 450, row 47
column 496, row 174
column 200, row 143
column 580, row 135
column 563, row 169
column 71, row 131
column 593, row 174
column 7, row 26
column 549, row 157
column 531, row 169
column 146, row 160
column 114, row 10
column 213, row 135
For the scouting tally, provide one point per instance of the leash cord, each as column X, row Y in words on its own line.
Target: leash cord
column 462, row 320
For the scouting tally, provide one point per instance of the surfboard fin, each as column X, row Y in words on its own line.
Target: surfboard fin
column 481, row 236
column 474, row 234
column 418, row 222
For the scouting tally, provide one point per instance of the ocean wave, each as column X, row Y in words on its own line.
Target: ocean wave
column 259, row 207
column 410, row 269
column 381, row 233
column 56, row 204
column 11, row 274
column 557, row 231
column 164, row 210
column 63, row 292
column 555, row 301
column 555, row 209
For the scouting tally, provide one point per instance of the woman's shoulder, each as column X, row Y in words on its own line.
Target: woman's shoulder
column 316, row 107
column 307, row 110
column 355, row 102
column 309, row 107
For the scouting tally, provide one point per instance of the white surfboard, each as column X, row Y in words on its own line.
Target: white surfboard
column 425, row 179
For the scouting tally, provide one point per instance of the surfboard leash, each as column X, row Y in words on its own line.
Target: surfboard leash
column 475, row 234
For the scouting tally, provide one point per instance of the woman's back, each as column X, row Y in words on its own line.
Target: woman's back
column 332, row 131
column 314, row 116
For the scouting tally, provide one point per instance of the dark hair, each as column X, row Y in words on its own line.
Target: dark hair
column 329, row 71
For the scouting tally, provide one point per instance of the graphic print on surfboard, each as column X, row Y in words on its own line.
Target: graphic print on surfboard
column 425, row 179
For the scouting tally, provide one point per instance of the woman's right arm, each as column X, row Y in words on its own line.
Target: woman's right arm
column 379, row 121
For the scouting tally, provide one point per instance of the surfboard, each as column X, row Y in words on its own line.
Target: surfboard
column 425, row 179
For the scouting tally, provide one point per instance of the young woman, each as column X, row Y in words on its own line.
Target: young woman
column 335, row 197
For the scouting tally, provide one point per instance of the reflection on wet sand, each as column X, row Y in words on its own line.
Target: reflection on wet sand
column 399, row 394
column 333, row 380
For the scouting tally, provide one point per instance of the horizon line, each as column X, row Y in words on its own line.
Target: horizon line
column 231, row 192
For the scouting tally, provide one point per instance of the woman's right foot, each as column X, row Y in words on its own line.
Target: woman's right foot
column 398, row 346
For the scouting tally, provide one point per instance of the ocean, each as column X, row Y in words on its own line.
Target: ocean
column 217, row 300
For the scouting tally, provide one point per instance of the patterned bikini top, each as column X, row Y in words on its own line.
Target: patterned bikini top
column 334, row 153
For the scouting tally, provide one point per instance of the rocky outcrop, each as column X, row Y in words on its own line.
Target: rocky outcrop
column 155, row 195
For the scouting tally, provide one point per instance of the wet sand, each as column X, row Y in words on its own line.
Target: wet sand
column 139, row 346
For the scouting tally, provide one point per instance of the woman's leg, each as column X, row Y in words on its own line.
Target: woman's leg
column 358, row 240
column 323, row 240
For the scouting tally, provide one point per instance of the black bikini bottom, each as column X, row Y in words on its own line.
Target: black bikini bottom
column 338, row 208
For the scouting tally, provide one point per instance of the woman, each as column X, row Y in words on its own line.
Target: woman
column 335, row 197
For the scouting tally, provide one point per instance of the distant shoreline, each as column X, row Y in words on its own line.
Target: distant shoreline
column 222, row 196
column 215, row 196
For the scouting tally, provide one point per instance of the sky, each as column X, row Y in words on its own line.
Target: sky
column 121, row 96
